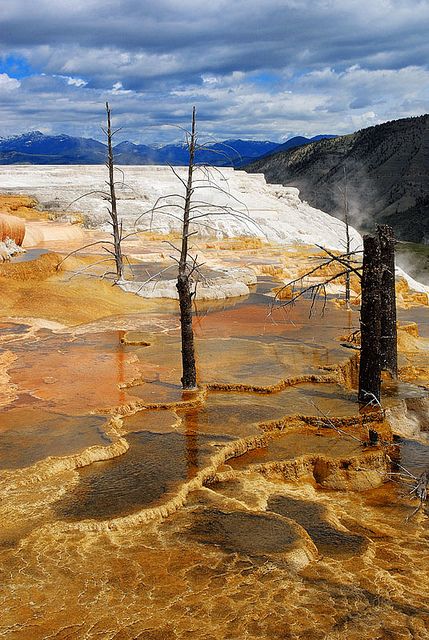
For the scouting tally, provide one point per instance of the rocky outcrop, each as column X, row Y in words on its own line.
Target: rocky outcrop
column 12, row 232
column 387, row 175
column 12, row 227
column 231, row 283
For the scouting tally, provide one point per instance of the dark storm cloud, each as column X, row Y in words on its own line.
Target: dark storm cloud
column 222, row 36
column 315, row 58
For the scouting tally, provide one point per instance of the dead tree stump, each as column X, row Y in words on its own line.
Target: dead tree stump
column 388, row 338
column 370, row 322
column 189, row 378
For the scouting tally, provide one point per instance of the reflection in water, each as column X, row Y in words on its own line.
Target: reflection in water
column 312, row 517
column 237, row 413
column 147, row 474
column 414, row 455
column 191, row 436
column 121, row 371
column 74, row 373
column 30, row 434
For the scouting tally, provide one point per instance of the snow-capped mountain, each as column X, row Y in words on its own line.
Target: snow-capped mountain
column 35, row 147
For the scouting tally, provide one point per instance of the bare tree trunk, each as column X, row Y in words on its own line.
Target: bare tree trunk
column 189, row 377
column 346, row 222
column 388, row 339
column 370, row 322
column 116, row 227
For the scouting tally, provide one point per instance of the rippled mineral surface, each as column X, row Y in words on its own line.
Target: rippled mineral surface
column 252, row 508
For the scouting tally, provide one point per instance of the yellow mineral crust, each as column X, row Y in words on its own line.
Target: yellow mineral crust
column 42, row 268
column 58, row 298
column 358, row 473
column 252, row 534
column 406, row 297
column 7, row 389
column 21, row 206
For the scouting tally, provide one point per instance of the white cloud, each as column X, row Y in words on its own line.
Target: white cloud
column 7, row 83
column 76, row 82
column 118, row 89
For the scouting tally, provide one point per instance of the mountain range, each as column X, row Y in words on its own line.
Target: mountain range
column 36, row 148
column 382, row 172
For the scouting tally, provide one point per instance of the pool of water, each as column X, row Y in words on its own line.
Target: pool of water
column 242, row 532
column 289, row 446
column 28, row 255
column 149, row 473
column 29, row 434
column 414, row 455
column 312, row 517
column 217, row 567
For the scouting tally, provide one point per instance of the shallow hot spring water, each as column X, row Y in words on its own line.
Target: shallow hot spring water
column 192, row 516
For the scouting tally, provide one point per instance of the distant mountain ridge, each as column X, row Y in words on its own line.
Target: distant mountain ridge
column 35, row 147
column 385, row 169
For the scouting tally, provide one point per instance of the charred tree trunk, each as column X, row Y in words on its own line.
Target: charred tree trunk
column 189, row 377
column 116, row 227
column 370, row 322
column 388, row 338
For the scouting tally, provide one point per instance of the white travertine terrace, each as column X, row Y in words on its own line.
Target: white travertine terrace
column 271, row 212
column 230, row 283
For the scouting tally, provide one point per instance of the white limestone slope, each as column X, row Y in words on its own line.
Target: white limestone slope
column 271, row 212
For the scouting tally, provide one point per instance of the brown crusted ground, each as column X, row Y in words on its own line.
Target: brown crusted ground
column 35, row 289
column 40, row 269
column 22, row 207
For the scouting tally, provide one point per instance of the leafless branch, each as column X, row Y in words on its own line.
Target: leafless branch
column 343, row 260
column 313, row 290
column 104, row 194
column 90, row 266
column 91, row 244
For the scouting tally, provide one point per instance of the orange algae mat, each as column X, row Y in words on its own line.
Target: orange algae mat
column 205, row 515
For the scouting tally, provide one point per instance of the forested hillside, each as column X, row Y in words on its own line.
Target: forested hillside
column 385, row 170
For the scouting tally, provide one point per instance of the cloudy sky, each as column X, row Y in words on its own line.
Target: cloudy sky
column 263, row 69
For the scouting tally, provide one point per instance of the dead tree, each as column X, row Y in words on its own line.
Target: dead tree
column 379, row 350
column 114, row 246
column 388, row 338
column 116, row 226
column 346, row 222
column 349, row 264
column 189, row 371
column 378, row 334
column 191, row 212
column 370, row 322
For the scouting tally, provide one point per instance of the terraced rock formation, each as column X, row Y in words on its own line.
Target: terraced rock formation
column 131, row 509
